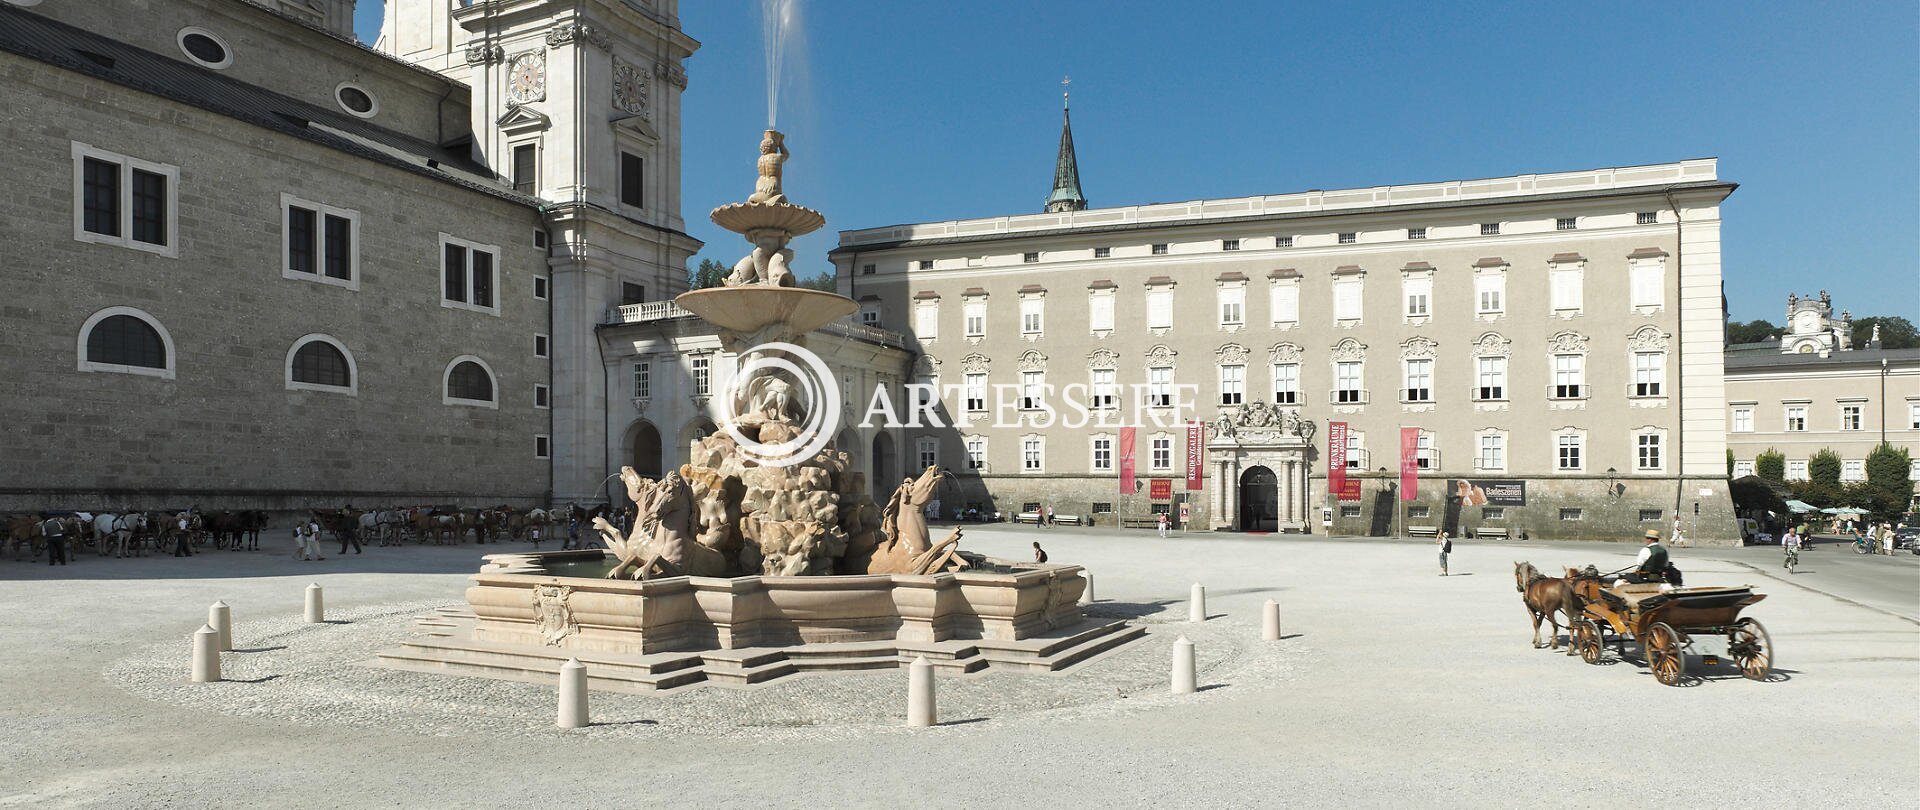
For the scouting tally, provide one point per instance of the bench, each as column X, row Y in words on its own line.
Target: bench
column 1140, row 523
column 1027, row 517
column 1067, row 520
column 1491, row 533
column 1423, row 531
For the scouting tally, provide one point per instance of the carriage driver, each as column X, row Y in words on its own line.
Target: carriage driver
column 1651, row 565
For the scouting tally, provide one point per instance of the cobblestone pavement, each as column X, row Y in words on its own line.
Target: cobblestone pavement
column 1395, row 686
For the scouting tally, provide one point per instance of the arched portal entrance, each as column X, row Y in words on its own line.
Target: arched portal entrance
column 643, row 450
column 886, row 477
column 1259, row 500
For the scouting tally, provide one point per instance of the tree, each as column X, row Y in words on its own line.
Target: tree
column 709, row 274
column 824, row 282
column 1751, row 331
column 1895, row 332
column 1771, row 465
column 1824, row 467
column 1729, row 462
column 1888, row 489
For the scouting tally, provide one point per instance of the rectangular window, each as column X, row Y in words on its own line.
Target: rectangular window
column 1160, row 249
column 1421, row 512
column 1162, row 457
column 1233, row 305
column 1160, row 308
column 1913, row 470
column 870, row 316
column 1568, row 451
column 1349, row 237
column 631, row 293
column 540, row 393
column 1349, row 511
column 540, row 347
column 339, row 247
column 1032, row 312
column 1423, row 452
column 642, row 380
column 1100, row 311
column 1032, row 454
column 1102, row 454
column 976, row 453
column 1493, row 513
column 633, row 180
column 1647, row 281
column 974, row 317
column 1650, row 515
column 1229, row 244
column 926, row 321
column 540, row 287
column 1102, row 252
column 1796, row 417
column 1490, row 292
column 1283, row 241
column 1569, row 513
column 1346, row 382
column 525, row 180
column 1489, row 229
column 928, row 450
column 118, row 200
column 1233, row 384
column 1030, row 257
column 926, row 264
column 467, row 270
column 302, row 240
column 1565, row 284
column 1285, row 301
column 1103, row 507
column 1850, row 417
column 1105, row 388
column 1646, row 218
column 1648, row 451
column 1569, row 376
column 702, row 375
column 1491, row 382
column 1419, row 292
column 1743, row 420
column 1346, row 299
column 1356, row 450
column 1797, row 469
column 976, row 388
column 1493, row 452
column 1742, row 469
column 1852, row 470
column 1564, row 224
column 1286, row 383
column 1913, row 415
column 868, row 269
column 1160, row 387
column 1649, row 372
column 542, row 447
column 1032, row 386
column 1419, row 381
column 1416, row 233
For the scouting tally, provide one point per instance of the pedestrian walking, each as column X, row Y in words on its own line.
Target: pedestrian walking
column 1039, row 554
column 348, row 535
column 182, row 538
column 1678, row 539
column 1163, row 525
column 300, row 542
column 1446, row 547
column 55, row 533
column 1886, row 538
column 534, row 533
column 312, row 537
column 573, row 533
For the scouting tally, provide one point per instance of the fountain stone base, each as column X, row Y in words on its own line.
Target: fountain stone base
column 523, row 621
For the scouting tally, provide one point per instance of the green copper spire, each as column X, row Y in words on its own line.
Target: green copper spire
column 1066, row 194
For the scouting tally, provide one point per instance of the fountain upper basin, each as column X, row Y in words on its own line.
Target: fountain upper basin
column 750, row 308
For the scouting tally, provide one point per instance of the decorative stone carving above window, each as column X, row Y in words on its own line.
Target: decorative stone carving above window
column 672, row 72
column 1492, row 344
column 566, row 34
column 1161, row 357
column 1647, row 339
column 1349, row 351
column 927, row 365
column 1103, row 358
column 1418, row 348
column 1033, row 360
column 1232, row 354
column 975, row 363
column 1567, row 343
column 481, row 54
column 1284, row 353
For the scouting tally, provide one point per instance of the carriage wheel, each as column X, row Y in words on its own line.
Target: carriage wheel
column 1664, row 654
column 1586, row 639
column 1752, row 648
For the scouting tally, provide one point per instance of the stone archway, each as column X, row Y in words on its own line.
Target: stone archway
column 644, row 450
column 1259, row 500
column 886, row 476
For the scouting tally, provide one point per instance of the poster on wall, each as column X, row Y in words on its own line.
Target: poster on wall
column 1337, row 461
column 1127, row 485
column 1160, row 489
column 1409, row 463
column 1196, row 453
column 1490, row 492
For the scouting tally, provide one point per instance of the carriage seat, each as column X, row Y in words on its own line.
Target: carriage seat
column 1635, row 593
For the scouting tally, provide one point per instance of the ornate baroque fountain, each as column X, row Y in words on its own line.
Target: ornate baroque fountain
column 763, row 555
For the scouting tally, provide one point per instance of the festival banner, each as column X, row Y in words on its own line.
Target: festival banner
column 1337, row 459
column 1196, row 453
column 1409, row 463
column 1485, row 492
column 1160, row 489
column 1127, row 485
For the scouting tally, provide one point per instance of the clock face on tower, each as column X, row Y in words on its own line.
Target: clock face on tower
column 1805, row 321
column 629, row 87
column 527, row 77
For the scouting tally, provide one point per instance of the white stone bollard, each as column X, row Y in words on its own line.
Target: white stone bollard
column 1270, row 621
column 573, row 694
column 206, row 655
column 1086, row 596
column 1182, row 666
column 220, row 618
column 316, row 607
column 1197, row 604
column 920, row 707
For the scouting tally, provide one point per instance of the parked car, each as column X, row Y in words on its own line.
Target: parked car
column 1907, row 537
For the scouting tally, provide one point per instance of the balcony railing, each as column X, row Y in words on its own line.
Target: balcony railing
column 668, row 310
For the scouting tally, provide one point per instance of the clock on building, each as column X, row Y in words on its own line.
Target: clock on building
column 527, row 77
column 1806, row 321
column 629, row 87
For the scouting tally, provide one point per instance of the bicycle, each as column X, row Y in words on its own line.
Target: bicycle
column 1792, row 560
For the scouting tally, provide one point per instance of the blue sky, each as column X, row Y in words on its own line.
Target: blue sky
column 909, row 111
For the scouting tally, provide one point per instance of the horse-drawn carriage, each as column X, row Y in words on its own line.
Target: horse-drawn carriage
column 1663, row 621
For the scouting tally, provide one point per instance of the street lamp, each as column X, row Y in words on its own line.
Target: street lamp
column 1613, row 483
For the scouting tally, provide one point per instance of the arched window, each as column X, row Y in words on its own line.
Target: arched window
column 125, row 340
column 320, row 363
column 470, row 382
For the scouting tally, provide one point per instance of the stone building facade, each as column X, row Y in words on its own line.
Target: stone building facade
column 1557, row 334
column 274, row 268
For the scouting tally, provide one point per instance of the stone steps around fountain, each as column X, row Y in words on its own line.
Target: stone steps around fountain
column 465, row 656
column 1054, row 653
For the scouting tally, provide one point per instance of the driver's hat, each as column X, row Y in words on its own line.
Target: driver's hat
column 1653, row 534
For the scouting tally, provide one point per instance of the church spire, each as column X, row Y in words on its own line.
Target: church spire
column 1066, row 169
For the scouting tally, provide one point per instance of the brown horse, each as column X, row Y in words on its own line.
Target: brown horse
column 1545, row 596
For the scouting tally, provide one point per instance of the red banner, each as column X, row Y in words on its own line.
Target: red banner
column 1337, row 459
column 1196, row 453
column 1409, row 463
column 1160, row 489
column 1127, row 486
